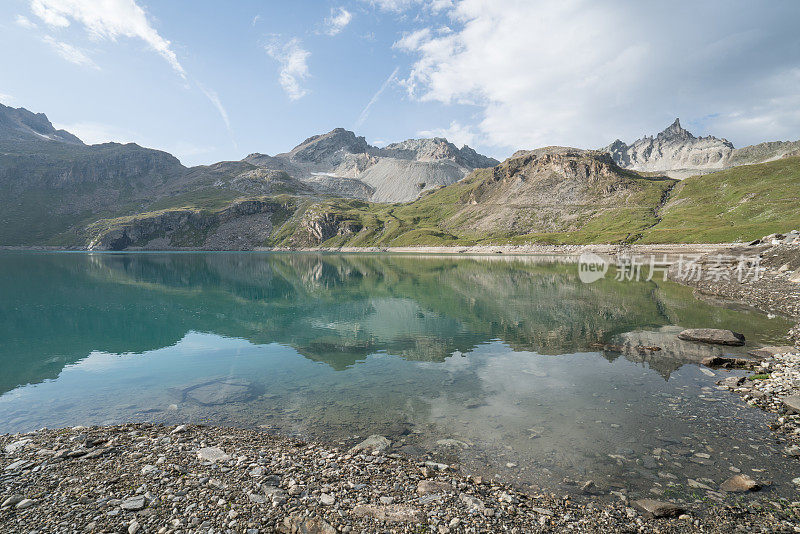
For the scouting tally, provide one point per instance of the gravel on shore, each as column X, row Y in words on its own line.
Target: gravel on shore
column 148, row 478
column 775, row 387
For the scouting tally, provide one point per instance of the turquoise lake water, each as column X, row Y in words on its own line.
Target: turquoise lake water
column 492, row 362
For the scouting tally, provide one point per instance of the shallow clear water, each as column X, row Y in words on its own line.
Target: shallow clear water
column 486, row 361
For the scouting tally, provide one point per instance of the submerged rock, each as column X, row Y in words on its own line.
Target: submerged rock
column 218, row 391
column 373, row 444
column 712, row 335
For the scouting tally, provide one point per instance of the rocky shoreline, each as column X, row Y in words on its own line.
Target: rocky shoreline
column 609, row 249
column 727, row 273
column 148, row 478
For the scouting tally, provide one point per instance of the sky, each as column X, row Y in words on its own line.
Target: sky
column 212, row 80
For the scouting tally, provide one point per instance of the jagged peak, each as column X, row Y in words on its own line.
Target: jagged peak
column 675, row 131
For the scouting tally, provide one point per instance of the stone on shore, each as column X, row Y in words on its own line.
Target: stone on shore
column 768, row 352
column 713, row 336
column 24, row 503
column 729, row 361
column 212, row 454
column 427, row 487
column 12, row 500
column 296, row 524
column 740, row 484
column 654, row 508
column 792, row 404
column 134, row 504
column 392, row 513
column 373, row 444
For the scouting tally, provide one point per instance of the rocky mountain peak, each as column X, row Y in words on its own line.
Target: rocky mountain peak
column 674, row 151
column 320, row 148
column 674, row 132
column 439, row 148
column 19, row 124
column 434, row 148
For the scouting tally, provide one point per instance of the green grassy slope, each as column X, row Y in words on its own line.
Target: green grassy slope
column 451, row 216
column 741, row 203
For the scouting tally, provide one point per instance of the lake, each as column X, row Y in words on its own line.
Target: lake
column 497, row 363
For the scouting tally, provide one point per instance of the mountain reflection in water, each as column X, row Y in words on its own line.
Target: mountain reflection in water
column 58, row 308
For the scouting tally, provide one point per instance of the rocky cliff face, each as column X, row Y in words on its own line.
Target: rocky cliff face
column 243, row 225
column 553, row 189
column 341, row 164
column 679, row 154
column 673, row 151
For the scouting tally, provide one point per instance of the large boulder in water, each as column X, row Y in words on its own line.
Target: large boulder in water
column 713, row 336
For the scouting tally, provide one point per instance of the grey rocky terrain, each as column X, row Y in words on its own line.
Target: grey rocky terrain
column 679, row 154
column 343, row 164
column 139, row 478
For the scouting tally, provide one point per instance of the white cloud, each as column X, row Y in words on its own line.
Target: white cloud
column 577, row 72
column 398, row 6
column 255, row 20
column 107, row 19
column 337, row 21
column 365, row 112
column 456, row 133
column 70, row 53
column 25, row 22
column 293, row 61
column 6, row 99
column 213, row 97
column 111, row 19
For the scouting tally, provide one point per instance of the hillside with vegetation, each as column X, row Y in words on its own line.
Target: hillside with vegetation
column 57, row 191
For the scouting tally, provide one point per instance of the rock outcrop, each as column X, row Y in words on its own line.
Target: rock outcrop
column 189, row 227
column 674, row 151
column 679, row 154
column 339, row 163
column 553, row 189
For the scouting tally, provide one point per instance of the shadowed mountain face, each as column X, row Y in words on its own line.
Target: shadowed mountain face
column 20, row 125
column 57, row 309
column 50, row 180
column 53, row 187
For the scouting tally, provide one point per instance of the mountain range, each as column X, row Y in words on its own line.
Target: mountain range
column 335, row 189
column 678, row 154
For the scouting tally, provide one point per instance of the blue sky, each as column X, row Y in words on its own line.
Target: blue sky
column 210, row 81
